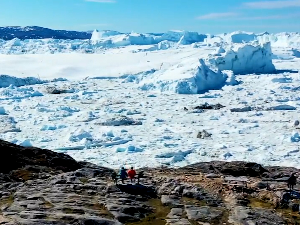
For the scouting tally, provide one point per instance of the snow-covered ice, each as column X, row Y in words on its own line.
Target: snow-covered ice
column 134, row 101
column 189, row 77
column 245, row 59
column 281, row 40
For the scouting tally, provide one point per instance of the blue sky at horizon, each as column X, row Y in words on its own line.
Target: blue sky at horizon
column 216, row 16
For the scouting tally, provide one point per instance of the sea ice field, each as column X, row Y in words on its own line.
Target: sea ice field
column 150, row 99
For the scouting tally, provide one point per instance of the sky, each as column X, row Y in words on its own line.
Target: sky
column 204, row 16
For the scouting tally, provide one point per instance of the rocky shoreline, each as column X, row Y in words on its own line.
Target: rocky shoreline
column 43, row 187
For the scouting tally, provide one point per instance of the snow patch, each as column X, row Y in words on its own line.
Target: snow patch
column 15, row 93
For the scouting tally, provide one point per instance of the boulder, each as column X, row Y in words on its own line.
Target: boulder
column 59, row 90
column 203, row 134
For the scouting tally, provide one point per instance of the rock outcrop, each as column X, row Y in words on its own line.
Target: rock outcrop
column 16, row 159
column 55, row 189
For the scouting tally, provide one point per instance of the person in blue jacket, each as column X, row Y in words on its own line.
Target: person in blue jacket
column 123, row 174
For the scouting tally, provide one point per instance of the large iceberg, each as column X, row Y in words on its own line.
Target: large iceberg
column 285, row 39
column 98, row 35
column 281, row 39
column 119, row 39
column 245, row 59
column 237, row 37
column 241, row 37
column 133, row 39
column 189, row 77
column 182, row 37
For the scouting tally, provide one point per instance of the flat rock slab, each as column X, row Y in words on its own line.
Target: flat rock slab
column 236, row 179
column 255, row 216
column 170, row 200
column 175, row 213
column 204, row 213
column 123, row 218
column 212, row 175
column 33, row 215
column 125, row 209
column 3, row 220
column 178, row 222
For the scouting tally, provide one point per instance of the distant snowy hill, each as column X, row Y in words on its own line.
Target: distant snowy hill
column 35, row 32
column 110, row 38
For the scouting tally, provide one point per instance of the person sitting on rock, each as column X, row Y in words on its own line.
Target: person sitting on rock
column 123, row 174
column 114, row 177
column 291, row 182
column 131, row 174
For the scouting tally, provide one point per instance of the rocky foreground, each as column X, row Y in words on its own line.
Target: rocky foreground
column 43, row 187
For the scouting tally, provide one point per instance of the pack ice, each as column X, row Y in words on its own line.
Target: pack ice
column 146, row 99
column 194, row 76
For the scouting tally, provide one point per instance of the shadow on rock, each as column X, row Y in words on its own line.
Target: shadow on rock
column 138, row 189
column 235, row 168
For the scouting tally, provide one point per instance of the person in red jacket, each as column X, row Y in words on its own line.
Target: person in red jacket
column 131, row 174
